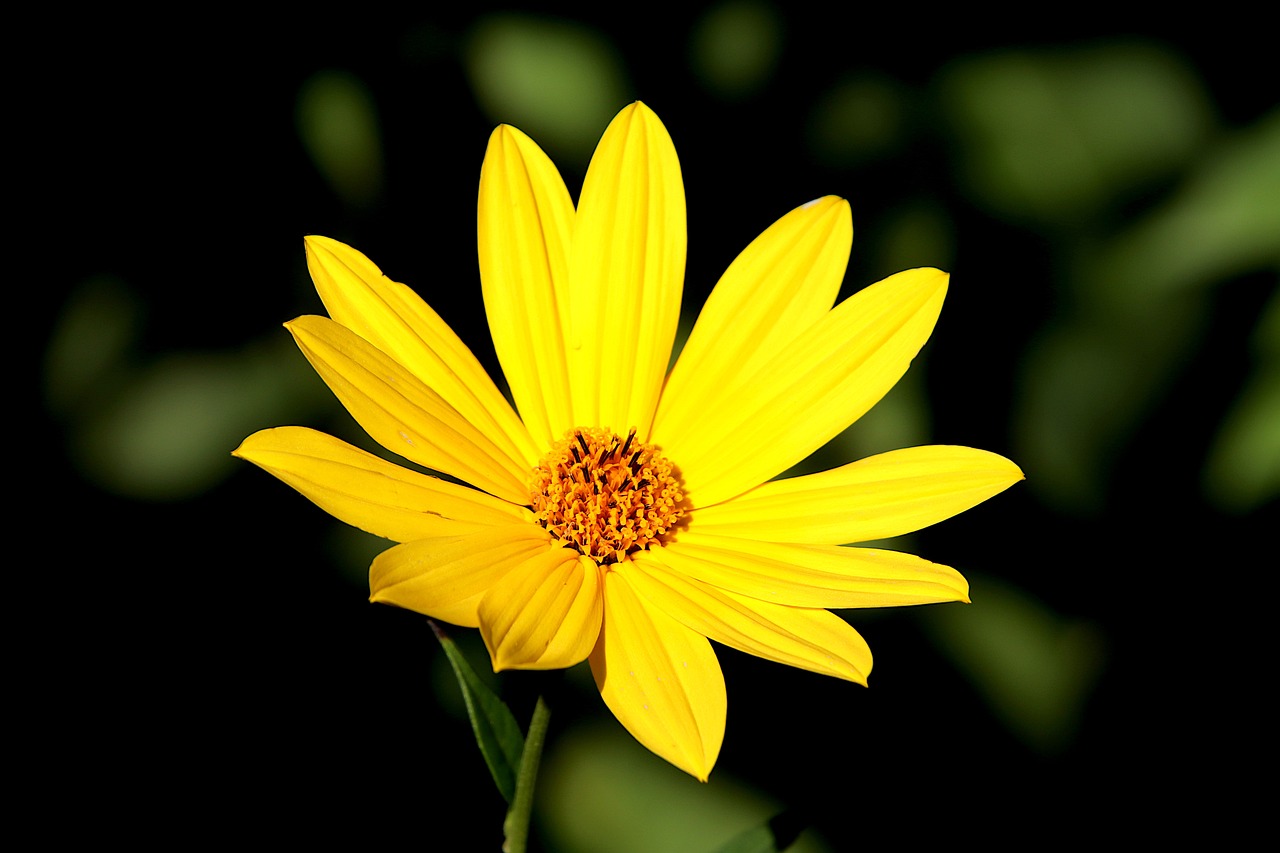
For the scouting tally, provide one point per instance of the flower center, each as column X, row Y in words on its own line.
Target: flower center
column 605, row 496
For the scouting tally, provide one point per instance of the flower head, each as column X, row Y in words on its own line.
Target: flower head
column 626, row 516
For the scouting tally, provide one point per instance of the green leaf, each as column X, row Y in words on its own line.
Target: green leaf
column 735, row 47
column 338, row 125
column 1035, row 667
column 664, row 808
column 497, row 732
column 777, row 834
column 1056, row 137
column 559, row 81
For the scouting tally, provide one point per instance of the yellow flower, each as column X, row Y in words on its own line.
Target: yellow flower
column 627, row 516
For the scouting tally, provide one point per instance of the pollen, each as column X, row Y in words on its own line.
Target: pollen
column 606, row 496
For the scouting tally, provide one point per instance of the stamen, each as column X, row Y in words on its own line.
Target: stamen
column 593, row 497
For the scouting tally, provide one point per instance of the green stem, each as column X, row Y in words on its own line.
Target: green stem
column 516, row 826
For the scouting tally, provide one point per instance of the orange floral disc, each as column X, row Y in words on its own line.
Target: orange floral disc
column 605, row 496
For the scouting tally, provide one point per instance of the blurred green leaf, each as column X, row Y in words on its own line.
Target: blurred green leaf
column 1138, row 310
column 778, row 834
column 91, row 340
column 1086, row 384
column 338, row 125
column 164, row 429
column 1243, row 470
column 919, row 233
column 735, row 46
column 168, row 430
column 857, row 120
column 1034, row 667
column 664, row 808
column 1266, row 338
column 496, row 730
column 559, row 82
column 1056, row 136
column 1223, row 221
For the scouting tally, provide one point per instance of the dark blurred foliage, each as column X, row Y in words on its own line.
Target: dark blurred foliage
column 204, row 665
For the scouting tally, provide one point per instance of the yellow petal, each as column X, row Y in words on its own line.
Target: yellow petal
column 826, row 379
column 626, row 274
column 371, row 493
column 809, row 575
column 397, row 321
column 545, row 614
column 816, row 640
column 446, row 578
column 661, row 680
column 404, row 415
column 525, row 224
column 780, row 285
column 875, row 498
